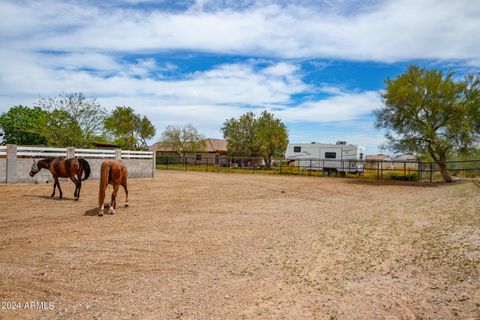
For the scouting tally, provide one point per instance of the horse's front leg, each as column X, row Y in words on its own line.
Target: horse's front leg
column 113, row 203
column 59, row 189
column 54, row 187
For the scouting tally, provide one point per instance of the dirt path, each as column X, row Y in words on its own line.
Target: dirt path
column 231, row 246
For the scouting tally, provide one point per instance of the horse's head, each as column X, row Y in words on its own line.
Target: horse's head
column 34, row 169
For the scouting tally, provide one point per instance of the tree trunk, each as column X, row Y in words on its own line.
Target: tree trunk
column 268, row 162
column 441, row 160
column 442, row 164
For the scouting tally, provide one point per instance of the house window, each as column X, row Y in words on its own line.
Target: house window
column 330, row 155
column 297, row 149
column 198, row 157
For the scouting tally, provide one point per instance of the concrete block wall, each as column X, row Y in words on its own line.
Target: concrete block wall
column 3, row 170
column 23, row 169
column 16, row 170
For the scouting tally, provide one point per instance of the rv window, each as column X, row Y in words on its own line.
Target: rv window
column 361, row 156
column 330, row 155
column 297, row 149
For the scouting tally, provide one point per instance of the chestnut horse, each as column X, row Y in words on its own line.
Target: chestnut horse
column 112, row 172
column 64, row 168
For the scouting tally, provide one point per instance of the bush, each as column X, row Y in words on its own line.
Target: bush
column 409, row 177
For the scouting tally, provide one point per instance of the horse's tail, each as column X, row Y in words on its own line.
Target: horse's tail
column 104, row 177
column 86, row 167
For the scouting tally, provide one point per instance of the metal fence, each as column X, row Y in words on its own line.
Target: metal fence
column 420, row 171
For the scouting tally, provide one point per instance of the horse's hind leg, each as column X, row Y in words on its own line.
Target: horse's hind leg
column 79, row 188
column 126, row 193
column 78, row 185
column 113, row 203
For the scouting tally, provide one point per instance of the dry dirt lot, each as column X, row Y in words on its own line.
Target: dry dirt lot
column 196, row 245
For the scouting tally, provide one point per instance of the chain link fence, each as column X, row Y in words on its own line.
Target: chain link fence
column 419, row 171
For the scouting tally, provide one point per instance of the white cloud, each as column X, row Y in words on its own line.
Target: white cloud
column 204, row 98
column 88, row 41
column 386, row 31
column 344, row 106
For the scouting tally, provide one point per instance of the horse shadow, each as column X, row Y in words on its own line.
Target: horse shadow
column 57, row 198
column 94, row 211
column 91, row 212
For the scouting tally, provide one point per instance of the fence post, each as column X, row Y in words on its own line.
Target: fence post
column 70, row 152
column 206, row 164
column 378, row 168
column 166, row 162
column 11, row 163
column 154, row 165
column 310, row 172
column 118, row 154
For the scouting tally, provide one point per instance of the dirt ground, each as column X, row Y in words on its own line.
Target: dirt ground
column 196, row 245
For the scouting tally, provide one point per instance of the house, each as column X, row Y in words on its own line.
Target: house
column 215, row 151
column 406, row 161
column 372, row 161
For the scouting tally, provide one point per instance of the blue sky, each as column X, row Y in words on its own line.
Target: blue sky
column 318, row 65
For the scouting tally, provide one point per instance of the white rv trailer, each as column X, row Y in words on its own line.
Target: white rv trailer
column 331, row 159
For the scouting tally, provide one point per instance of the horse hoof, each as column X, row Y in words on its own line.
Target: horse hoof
column 76, row 199
column 52, row 195
column 100, row 214
column 126, row 204
column 111, row 210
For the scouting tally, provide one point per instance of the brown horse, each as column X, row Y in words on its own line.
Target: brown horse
column 64, row 168
column 112, row 172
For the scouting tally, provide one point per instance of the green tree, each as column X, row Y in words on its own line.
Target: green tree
column 17, row 124
column 272, row 137
column 145, row 131
column 60, row 129
column 122, row 124
column 242, row 135
column 427, row 111
column 250, row 136
column 85, row 114
column 183, row 140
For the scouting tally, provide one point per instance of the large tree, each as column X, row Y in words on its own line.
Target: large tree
column 272, row 137
column 122, row 124
column 183, row 140
column 17, row 124
column 128, row 128
column 242, row 135
column 145, row 131
column 250, row 136
column 86, row 116
column 428, row 111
